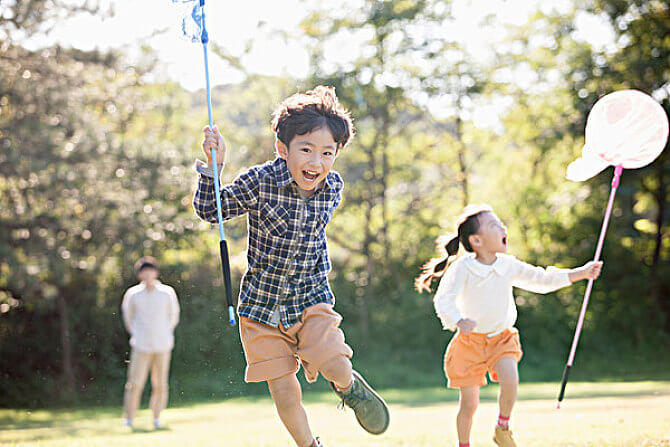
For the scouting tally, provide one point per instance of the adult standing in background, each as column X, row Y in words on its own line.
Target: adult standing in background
column 150, row 313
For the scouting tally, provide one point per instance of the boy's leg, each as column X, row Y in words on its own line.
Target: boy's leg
column 270, row 358
column 138, row 368
column 322, row 349
column 160, row 369
column 468, row 402
column 287, row 397
column 338, row 370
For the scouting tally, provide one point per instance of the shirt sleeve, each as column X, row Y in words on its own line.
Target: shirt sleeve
column 451, row 286
column 127, row 311
column 174, row 309
column 237, row 197
column 537, row 279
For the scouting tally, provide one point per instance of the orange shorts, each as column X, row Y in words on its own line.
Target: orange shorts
column 273, row 352
column 470, row 356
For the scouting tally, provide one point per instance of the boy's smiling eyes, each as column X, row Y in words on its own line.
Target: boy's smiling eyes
column 308, row 146
column 326, row 152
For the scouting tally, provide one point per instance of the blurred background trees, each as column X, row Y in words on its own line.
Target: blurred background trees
column 95, row 171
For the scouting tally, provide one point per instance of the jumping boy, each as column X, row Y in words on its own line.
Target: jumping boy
column 286, row 304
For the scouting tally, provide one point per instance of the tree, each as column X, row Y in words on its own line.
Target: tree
column 71, row 196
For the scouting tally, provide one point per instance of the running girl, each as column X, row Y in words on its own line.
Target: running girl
column 475, row 299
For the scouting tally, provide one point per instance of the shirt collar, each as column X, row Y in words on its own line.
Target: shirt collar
column 283, row 176
column 500, row 266
column 144, row 286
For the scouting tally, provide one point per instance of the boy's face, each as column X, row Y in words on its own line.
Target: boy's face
column 309, row 157
column 492, row 234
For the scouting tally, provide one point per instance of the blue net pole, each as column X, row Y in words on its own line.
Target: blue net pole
column 223, row 245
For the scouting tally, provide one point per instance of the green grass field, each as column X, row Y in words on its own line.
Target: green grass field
column 593, row 414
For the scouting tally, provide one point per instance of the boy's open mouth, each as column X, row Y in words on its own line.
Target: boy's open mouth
column 310, row 176
column 504, row 240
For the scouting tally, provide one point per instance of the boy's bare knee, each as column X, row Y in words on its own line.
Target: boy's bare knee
column 130, row 386
column 285, row 391
column 338, row 369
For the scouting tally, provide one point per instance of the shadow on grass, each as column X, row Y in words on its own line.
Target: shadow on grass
column 50, row 423
column 33, row 431
column 533, row 391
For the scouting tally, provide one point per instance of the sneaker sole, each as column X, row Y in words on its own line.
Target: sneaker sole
column 358, row 377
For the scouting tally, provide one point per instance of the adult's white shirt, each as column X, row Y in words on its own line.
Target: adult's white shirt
column 150, row 315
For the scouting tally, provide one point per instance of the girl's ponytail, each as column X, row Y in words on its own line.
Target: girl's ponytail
column 468, row 224
column 452, row 246
column 436, row 267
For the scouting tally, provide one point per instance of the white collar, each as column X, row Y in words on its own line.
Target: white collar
column 500, row 266
column 156, row 284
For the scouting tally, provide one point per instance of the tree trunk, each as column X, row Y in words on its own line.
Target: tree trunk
column 463, row 169
column 66, row 346
column 657, row 286
column 361, row 298
column 383, row 142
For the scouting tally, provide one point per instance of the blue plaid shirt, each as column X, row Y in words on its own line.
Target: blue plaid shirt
column 287, row 254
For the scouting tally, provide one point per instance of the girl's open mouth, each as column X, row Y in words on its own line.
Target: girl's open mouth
column 504, row 240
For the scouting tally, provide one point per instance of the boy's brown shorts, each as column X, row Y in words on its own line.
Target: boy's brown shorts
column 470, row 356
column 273, row 352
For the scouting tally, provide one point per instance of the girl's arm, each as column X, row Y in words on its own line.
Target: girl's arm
column 590, row 270
column 537, row 279
column 450, row 288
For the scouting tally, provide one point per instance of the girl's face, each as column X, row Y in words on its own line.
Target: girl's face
column 492, row 234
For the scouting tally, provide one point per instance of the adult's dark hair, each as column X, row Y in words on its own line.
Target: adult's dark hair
column 448, row 245
column 303, row 113
column 145, row 262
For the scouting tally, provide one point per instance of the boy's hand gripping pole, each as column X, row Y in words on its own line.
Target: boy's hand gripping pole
column 566, row 372
column 223, row 246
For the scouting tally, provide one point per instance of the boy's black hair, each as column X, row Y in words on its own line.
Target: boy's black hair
column 303, row 113
column 146, row 262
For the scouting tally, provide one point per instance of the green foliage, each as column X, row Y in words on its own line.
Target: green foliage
column 95, row 171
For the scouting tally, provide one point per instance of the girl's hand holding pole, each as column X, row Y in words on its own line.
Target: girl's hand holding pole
column 590, row 270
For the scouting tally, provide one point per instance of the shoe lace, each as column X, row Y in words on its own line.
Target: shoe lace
column 354, row 398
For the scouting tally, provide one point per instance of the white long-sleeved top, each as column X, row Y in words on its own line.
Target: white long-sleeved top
column 150, row 315
column 483, row 293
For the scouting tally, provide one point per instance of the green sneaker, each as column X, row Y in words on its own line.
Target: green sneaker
column 370, row 409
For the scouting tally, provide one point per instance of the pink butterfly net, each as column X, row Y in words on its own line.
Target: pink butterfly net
column 626, row 128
